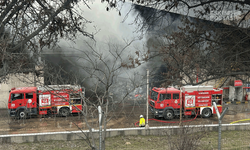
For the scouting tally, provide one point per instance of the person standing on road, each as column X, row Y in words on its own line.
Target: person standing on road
column 142, row 121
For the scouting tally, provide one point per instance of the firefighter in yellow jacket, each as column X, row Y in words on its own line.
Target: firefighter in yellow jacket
column 142, row 121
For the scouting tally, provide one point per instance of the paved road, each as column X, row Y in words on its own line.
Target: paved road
column 124, row 117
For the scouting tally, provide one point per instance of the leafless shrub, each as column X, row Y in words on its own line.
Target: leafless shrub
column 186, row 138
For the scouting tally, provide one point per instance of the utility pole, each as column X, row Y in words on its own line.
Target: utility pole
column 100, row 127
column 180, row 106
column 220, row 119
column 147, row 126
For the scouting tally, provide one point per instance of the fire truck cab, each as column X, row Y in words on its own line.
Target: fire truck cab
column 165, row 102
column 22, row 101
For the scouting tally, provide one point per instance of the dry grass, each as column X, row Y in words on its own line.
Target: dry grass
column 231, row 140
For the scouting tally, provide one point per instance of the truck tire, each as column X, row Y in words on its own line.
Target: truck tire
column 168, row 114
column 206, row 113
column 64, row 112
column 21, row 114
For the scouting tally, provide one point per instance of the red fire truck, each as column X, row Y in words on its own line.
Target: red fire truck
column 166, row 102
column 52, row 99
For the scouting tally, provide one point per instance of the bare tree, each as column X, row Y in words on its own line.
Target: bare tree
column 205, row 51
column 27, row 26
column 218, row 36
column 109, row 75
column 208, row 9
column 201, row 47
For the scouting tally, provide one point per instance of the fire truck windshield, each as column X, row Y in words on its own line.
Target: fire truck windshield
column 154, row 95
column 16, row 96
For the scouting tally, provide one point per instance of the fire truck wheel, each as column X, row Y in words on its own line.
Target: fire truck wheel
column 64, row 112
column 21, row 114
column 168, row 114
column 206, row 113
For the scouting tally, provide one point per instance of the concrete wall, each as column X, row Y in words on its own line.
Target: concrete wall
column 74, row 135
column 17, row 80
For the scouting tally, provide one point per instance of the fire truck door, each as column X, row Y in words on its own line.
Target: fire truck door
column 31, row 100
column 165, row 100
column 176, row 100
column 17, row 100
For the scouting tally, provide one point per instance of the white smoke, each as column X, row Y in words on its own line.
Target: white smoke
column 112, row 33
